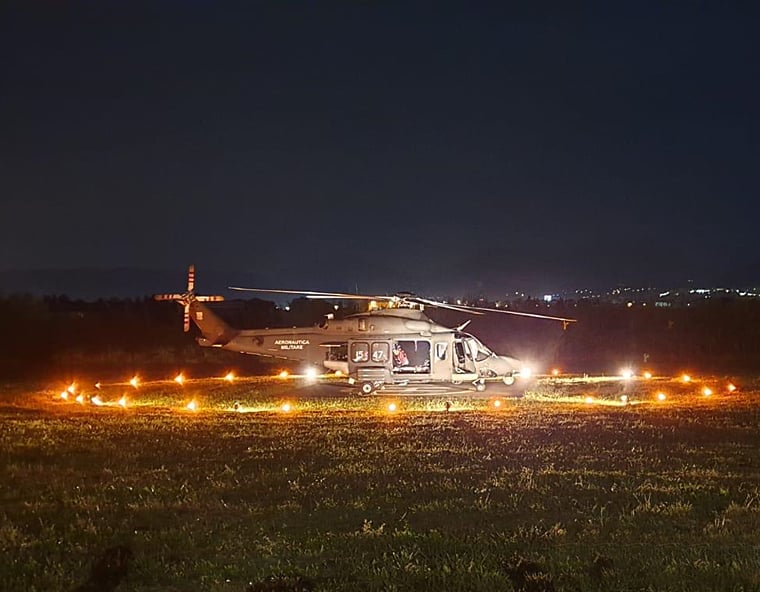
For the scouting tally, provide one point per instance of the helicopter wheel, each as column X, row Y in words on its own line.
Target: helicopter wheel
column 480, row 386
column 366, row 388
column 509, row 380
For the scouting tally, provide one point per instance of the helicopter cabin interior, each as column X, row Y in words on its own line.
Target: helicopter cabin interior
column 410, row 358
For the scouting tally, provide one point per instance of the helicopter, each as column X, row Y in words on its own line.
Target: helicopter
column 393, row 343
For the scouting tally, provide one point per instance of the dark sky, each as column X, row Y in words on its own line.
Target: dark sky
column 425, row 146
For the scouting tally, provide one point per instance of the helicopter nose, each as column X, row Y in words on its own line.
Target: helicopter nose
column 510, row 364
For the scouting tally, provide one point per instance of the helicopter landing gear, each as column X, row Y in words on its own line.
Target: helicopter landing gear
column 509, row 380
column 480, row 385
column 367, row 387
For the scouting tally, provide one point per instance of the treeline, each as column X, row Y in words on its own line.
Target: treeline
column 55, row 335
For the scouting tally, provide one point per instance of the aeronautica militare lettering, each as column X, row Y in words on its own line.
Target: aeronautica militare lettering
column 291, row 343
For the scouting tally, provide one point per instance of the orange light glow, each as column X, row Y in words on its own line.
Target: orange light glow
column 123, row 401
column 589, row 400
column 286, row 407
column 392, row 407
column 71, row 388
column 555, row 372
column 135, row 381
column 707, row 391
column 180, row 378
column 98, row 385
column 65, row 395
column 96, row 400
column 192, row 405
column 731, row 387
column 497, row 403
column 686, row 378
column 80, row 399
column 647, row 375
column 284, row 374
column 229, row 377
column 338, row 373
column 661, row 396
column 624, row 398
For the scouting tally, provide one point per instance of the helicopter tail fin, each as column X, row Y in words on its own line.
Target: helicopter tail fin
column 214, row 330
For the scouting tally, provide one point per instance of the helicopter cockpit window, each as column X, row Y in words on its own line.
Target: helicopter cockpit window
column 380, row 352
column 359, row 352
column 440, row 351
column 477, row 350
column 362, row 324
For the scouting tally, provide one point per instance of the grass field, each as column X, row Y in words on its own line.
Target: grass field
column 544, row 492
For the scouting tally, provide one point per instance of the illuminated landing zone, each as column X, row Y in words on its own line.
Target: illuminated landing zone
column 302, row 393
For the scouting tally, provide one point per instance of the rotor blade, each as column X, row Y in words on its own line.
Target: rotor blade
column 168, row 296
column 478, row 309
column 190, row 278
column 525, row 314
column 186, row 320
column 210, row 298
column 311, row 293
column 457, row 307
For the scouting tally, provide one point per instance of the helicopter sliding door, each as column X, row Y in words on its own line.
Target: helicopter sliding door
column 411, row 356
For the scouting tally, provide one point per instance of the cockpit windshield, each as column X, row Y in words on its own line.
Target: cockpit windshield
column 475, row 348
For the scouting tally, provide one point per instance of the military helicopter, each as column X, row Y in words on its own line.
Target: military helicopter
column 393, row 343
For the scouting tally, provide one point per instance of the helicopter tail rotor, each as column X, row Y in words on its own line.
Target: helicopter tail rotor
column 188, row 297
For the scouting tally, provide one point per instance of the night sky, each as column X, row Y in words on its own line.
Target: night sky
column 377, row 146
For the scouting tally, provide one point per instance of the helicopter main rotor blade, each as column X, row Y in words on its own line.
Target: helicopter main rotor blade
column 456, row 307
column 482, row 310
column 312, row 293
column 525, row 314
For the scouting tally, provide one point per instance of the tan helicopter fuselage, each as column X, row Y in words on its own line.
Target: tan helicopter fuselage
column 385, row 346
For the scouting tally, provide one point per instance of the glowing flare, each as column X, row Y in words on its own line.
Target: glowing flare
column 80, row 399
column 284, row 374
column 624, row 398
column 192, row 405
column 71, row 388
column 707, row 391
column 555, row 372
column 589, row 400
column 338, row 373
column 392, row 407
column 311, row 373
column 98, row 385
column 123, row 401
column 526, row 372
column 96, row 400
column 647, row 375
column 686, row 378
column 661, row 396
column 626, row 373
column 65, row 395
column 135, row 381
column 731, row 387
column 229, row 377
column 180, row 378
column 286, row 407
column 497, row 403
